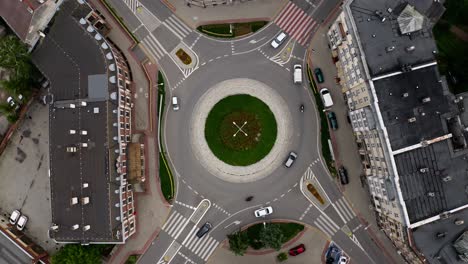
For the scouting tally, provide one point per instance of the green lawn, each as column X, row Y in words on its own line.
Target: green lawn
column 261, row 130
column 165, row 175
column 324, row 130
column 238, row 29
column 290, row 230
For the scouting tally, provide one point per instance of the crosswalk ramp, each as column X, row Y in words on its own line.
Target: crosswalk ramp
column 295, row 22
column 343, row 209
column 132, row 4
column 177, row 27
column 202, row 247
column 154, row 46
column 326, row 224
column 175, row 224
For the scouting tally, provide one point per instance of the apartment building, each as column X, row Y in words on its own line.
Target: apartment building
column 405, row 120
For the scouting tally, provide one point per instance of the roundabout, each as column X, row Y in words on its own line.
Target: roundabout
column 240, row 130
column 220, row 130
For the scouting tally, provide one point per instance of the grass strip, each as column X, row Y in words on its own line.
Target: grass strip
column 238, row 29
column 324, row 131
column 165, row 175
column 289, row 230
column 120, row 20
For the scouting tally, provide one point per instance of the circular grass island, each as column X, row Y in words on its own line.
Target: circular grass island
column 240, row 130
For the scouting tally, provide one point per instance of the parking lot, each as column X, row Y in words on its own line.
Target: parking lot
column 24, row 175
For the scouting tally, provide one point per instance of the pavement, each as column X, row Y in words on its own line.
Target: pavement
column 313, row 240
column 24, row 169
column 344, row 144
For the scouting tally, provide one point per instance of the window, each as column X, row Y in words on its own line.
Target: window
column 396, row 215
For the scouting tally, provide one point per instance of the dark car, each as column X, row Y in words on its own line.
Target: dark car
column 297, row 250
column 332, row 119
column 204, row 229
column 319, row 75
column 343, row 175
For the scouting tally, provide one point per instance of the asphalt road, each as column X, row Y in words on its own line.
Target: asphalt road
column 216, row 61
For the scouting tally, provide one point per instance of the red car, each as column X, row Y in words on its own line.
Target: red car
column 297, row 250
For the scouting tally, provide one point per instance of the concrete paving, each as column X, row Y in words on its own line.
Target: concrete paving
column 345, row 147
column 240, row 174
column 246, row 11
column 313, row 240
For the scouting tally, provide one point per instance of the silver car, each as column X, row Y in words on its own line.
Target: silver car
column 278, row 40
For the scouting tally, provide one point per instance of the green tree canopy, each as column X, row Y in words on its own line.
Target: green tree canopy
column 238, row 242
column 272, row 236
column 78, row 254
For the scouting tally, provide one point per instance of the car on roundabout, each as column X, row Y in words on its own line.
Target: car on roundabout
column 290, row 160
column 264, row 211
column 297, row 250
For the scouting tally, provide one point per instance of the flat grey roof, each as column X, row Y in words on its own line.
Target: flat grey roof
column 440, row 250
column 77, row 68
column 10, row 253
column 397, row 109
column 376, row 36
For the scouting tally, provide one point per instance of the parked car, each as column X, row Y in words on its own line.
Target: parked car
column 21, row 222
column 297, row 75
column 291, row 158
column 332, row 119
column 175, row 103
column 264, row 211
column 326, row 97
column 319, row 75
column 343, row 175
column 297, row 250
column 204, row 229
column 15, row 215
column 279, row 39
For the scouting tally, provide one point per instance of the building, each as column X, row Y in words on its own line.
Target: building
column 28, row 18
column 410, row 129
column 90, row 129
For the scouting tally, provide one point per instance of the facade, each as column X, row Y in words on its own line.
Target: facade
column 28, row 18
column 409, row 127
column 90, row 130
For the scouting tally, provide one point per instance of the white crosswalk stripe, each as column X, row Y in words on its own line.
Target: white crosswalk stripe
column 174, row 224
column 295, row 22
column 343, row 208
column 176, row 26
column 202, row 247
column 326, row 225
column 154, row 47
column 132, row 4
column 308, row 174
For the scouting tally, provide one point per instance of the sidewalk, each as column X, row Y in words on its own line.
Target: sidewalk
column 195, row 16
column 344, row 145
column 151, row 208
column 314, row 241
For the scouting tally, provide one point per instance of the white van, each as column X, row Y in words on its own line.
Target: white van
column 175, row 103
column 326, row 97
column 297, row 74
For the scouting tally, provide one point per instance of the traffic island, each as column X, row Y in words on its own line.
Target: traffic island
column 313, row 191
column 231, row 30
column 184, row 57
column 240, row 130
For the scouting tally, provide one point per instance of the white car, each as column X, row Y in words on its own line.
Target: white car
column 175, row 103
column 278, row 40
column 326, row 98
column 21, row 222
column 264, row 211
column 291, row 158
column 297, row 73
column 14, row 217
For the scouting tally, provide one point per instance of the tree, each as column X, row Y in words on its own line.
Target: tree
column 282, row 256
column 13, row 53
column 238, row 242
column 78, row 254
column 272, row 236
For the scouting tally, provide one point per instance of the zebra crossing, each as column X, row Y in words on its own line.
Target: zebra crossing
column 132, row 4
column 175, row 224
column 326, row 224
column 343, row 209
column 177, row 27
column 202, row 247
column 154, row 46
column 308, row 174
column 295, row 22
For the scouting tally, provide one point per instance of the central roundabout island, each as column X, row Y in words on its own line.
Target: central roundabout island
column 240, row 130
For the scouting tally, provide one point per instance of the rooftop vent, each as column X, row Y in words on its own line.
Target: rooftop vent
column 412, row 119
column 117, row 205
column 72, row 132
column 109, row 56
column 83, row 103
column 380, row 15
column 431, row 194
column 426, row 99
column 104, row 46
column 410, row 48
column 72, row 106
column 424, row 170
column 405, row 94
column 390, row 49
column 82, row 21
column 447, row 178
column 75, row 227
column 90, row 29
column 406, row 68
column 445, row 215
column 85, row 200
column 74, row 200
column 85, row 185
column 84, row 132
column 84, row 145
column 96, row 110
column 71, row 149
column 98, row 36
column 112, row 67
column 86, row 227
column 459, row 222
